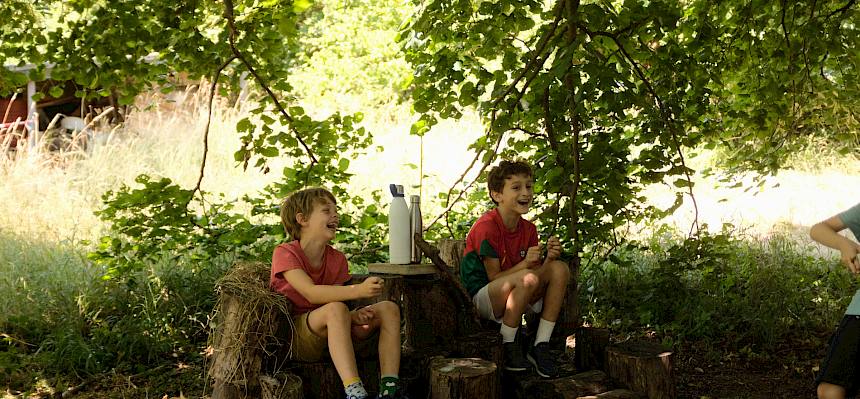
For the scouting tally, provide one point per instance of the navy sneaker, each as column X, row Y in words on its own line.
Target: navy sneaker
column 542, row 359
column 514, row 360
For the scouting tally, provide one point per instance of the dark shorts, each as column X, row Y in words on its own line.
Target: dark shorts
column 842, row 364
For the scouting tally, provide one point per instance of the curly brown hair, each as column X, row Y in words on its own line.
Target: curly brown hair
column 301, row 201
column 503, row 171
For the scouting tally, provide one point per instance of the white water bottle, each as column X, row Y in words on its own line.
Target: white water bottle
column 399, row 243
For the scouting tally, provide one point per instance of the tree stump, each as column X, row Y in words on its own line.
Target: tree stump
column 462, row 378
column 285, row 386
column 590, row 348
column 644, row 367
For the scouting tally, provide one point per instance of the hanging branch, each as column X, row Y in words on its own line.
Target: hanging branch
column 666, row 115
column 231, row 24
column 212, row 88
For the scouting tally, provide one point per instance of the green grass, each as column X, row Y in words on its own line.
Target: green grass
column 737, row 294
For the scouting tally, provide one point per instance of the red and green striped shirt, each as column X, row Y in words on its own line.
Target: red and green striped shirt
column 490, row 238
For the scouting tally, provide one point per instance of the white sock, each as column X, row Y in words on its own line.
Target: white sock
column 508, row 333
column 544, row 331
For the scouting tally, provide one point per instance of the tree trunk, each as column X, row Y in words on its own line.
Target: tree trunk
column 285, row 386
column 590, row 348
column 570, row 310
column 463, row 378
column 644, row 367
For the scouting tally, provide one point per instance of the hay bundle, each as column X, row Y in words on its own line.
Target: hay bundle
column 248, row 316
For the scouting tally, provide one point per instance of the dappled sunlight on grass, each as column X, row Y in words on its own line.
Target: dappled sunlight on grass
column 788, row 203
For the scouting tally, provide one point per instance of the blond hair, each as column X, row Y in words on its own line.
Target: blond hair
column 302, row 201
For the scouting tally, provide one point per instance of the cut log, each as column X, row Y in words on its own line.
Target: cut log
column 463, row 378
column 283, row 386
column 583, row 384
column 614, row 394
column 590, row 348
column 644, row 367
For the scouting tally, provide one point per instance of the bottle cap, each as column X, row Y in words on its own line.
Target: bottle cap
column 396, row 190
column 414, row 198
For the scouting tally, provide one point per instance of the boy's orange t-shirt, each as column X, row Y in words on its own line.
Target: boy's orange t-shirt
column 290, row 256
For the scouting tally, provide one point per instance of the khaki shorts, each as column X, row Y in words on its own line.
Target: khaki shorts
column 309, row 347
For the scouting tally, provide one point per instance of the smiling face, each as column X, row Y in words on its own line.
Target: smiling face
column 322, row 222
column 516, row 196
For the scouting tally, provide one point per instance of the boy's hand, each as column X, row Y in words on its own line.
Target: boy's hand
column 850, row 258
column 533, row 256
column 362, row 316
column 370, row 287
column 553, row 248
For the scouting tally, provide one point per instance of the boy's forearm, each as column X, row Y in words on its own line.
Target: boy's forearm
column 519, row 266
column 826, row 236
column 322, row 294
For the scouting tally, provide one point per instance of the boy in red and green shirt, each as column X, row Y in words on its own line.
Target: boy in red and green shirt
column 503, row 271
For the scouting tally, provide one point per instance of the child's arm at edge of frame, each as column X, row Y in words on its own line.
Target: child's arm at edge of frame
column 322, row 294
column 827, row 233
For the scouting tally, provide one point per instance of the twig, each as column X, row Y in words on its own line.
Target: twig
column 459, row 196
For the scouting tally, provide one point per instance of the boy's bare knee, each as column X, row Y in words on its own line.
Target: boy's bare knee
column 830, row 391
column 388, row 309
column 530, row 281
column 336, row 311
column 560, row 270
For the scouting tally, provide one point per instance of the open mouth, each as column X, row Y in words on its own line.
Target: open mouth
column 524, row 202
column 332, row 225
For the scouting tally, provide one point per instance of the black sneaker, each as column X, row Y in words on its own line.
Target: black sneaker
column 543, row 361
column 514, row 360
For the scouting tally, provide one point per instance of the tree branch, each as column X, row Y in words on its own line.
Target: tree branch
column 231, row 24
column 842, row 9
column 533, row 64
column 212, row 89
column 666, row 116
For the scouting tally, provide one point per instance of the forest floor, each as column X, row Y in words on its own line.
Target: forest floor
column 701, row 373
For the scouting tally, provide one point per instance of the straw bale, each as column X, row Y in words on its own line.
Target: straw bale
column 248, row 317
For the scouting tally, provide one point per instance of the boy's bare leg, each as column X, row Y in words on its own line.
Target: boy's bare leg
column 387, row 320
column 830, row 391
column 511, row 294
column 333, row 321
column 554, row 277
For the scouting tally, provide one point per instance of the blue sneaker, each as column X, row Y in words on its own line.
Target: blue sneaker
column 514, row 360
column 542, row 359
